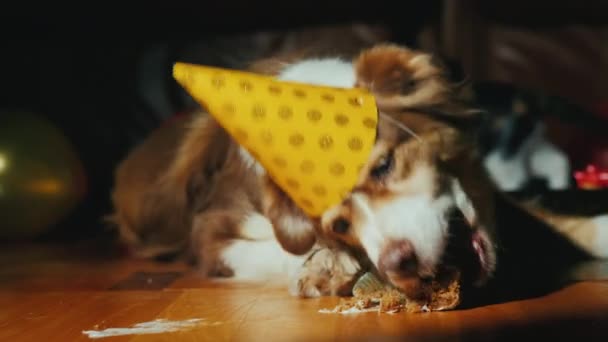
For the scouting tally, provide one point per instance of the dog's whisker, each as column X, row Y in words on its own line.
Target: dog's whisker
column 402, row 126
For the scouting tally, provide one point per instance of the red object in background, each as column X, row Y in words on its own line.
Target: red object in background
column 583, row 147
column 599, row 152
column 591, row 178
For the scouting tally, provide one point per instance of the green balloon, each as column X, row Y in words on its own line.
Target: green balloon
column 41, row 176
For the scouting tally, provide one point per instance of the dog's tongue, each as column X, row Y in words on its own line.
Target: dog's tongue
column 480, row 247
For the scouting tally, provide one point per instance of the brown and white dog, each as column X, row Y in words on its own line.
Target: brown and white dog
column 423, row 199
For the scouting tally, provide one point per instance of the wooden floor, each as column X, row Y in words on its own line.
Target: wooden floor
column 55, row 293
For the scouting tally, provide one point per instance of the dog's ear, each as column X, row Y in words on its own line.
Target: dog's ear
column 294, row 230
column 401, row 78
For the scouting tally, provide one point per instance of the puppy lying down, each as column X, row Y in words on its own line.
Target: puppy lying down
column 420, row 218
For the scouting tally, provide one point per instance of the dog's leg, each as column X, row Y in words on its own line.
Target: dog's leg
column 321, row 271
column 240, row 245
column 326, row 272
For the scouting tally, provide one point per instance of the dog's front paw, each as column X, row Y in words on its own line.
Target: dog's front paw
column 326, row 273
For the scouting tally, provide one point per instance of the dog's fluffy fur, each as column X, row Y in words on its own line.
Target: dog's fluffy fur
column 192, row 188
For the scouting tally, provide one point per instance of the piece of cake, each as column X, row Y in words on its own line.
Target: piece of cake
column 371, row 294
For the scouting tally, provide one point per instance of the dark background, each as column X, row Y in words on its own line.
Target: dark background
column 101, row 72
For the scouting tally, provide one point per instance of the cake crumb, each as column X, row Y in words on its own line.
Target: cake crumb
column 370, row 295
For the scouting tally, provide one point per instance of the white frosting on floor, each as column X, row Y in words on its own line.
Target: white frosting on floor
column 158, row 326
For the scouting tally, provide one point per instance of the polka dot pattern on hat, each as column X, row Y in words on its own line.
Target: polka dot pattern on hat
column 312, row 140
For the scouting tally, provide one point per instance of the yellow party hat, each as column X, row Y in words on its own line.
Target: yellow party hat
column 312, row 140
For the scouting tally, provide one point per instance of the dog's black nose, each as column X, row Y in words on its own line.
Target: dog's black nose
column 398, row 258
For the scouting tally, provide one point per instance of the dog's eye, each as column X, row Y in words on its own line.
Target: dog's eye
column 340, row 226
column 383, row 166
column 408, row 85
